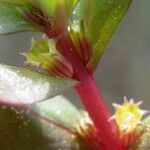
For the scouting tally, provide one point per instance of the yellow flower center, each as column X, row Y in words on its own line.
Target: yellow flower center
column 128, row 116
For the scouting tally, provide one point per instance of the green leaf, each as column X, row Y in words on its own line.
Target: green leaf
column 19, row 2
column 51, row 6
column 12, row 20
column 24, row 129
column 60, row 110
column 100, row 19
column 71, row 5
column 14, row 2
column 19, row 86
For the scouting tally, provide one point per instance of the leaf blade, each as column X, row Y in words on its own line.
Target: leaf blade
column 12, row 20
column 60, row 110
column 19, row 86
column 13, row 2
column 28, row 129
column 51, row 7
column 100, row 19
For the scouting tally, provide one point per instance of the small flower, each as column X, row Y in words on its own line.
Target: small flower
column 87, row 131
column 44, row 55
column 128, row 117
column 85, row 125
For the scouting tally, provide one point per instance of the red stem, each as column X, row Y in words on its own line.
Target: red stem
column 98, row 111
column 90, row 97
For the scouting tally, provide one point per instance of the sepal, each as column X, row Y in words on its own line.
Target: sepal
column 44, row 55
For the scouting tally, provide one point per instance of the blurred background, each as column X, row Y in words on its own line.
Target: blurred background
column 124, row 69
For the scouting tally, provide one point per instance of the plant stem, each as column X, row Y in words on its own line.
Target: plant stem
column 98, row 111
column 90, row 97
